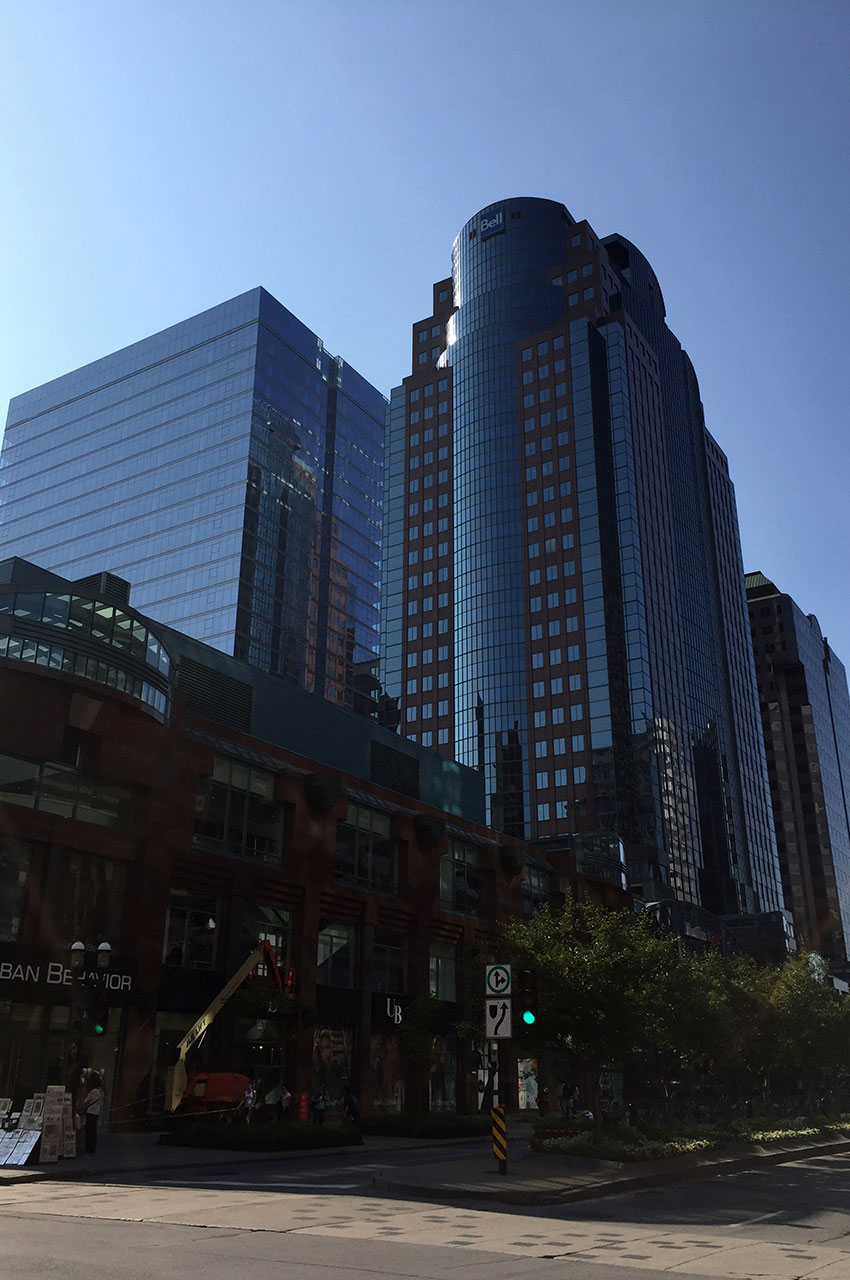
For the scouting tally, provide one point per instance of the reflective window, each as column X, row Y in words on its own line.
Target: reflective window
column 236, row 813
column 443, row 971
column 365, row 851
column 335, row 955
column 191, row 926
column 462, row 879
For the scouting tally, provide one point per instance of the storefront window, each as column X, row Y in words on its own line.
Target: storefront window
column 442, row 1074
column 332, row 1063
column 387, row 1073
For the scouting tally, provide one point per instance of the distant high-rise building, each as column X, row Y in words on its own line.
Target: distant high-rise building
column 805, row 712
column 230, row 469
column 563, row 599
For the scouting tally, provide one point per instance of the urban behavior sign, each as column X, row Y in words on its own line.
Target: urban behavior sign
column 29, row 974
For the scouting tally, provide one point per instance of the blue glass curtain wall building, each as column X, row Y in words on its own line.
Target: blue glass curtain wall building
column 499, row 282
column 599, row 672
column 805, row 709
column 231, row 470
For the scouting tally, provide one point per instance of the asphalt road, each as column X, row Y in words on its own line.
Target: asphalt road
column 320, row 1221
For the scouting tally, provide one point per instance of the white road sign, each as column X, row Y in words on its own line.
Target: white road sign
column 497, row 1017
column 497, row 980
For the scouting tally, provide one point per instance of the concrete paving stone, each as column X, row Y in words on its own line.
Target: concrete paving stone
column 832, row 1271
column 747, row 1262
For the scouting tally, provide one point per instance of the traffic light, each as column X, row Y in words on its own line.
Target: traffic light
column 99, row 1014
column 527, row 984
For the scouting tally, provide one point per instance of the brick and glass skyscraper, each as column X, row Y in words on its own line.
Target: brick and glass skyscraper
column 563, row 600
column 805, row 711
column 230, row 469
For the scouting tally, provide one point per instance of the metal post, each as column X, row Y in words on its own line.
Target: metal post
column 493, row 1068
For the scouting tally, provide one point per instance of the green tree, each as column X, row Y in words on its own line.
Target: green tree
column 711, row 1021
column 806, row 1045
column 603, row 979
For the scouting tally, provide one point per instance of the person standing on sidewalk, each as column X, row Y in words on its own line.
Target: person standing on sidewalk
column 319, row 1104
column 90, row 1109
column 249, row 1102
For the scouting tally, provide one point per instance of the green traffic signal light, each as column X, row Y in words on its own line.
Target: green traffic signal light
column 99, row 1015
column 527, row 986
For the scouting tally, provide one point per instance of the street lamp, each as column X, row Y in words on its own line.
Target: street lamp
column 104, row 955
column 78, row 955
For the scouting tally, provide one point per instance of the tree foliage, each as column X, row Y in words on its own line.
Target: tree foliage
column 616, row 992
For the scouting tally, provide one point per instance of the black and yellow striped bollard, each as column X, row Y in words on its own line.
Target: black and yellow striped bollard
column 500, row 1138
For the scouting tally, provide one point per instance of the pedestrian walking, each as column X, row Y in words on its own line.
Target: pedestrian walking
column 90, row 1108
column 249, row 1101
column 350, row 1107
column 319, row 1104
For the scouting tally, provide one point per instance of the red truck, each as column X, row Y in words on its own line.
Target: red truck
column 208, row 1091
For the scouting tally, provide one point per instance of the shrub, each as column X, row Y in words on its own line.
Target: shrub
column 652, row 1142
column 622, row 1145
column 443, row 1125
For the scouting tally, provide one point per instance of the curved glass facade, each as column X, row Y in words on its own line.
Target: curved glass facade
column 87, row 637
column 502, row 294
column 593, row 650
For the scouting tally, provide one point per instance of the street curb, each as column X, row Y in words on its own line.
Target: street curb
column 56, row 1173
column 616, row 1186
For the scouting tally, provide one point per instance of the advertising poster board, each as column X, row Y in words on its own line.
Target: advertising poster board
column 52, row 1127
column 69, row 1145
column 24, row 1147
column 26, row 1120
column 8, row 1142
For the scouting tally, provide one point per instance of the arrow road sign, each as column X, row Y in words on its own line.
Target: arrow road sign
column 497, row 981
column 497, row 1016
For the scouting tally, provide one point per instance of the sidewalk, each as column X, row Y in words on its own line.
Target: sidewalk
column 531, row 1179
column 536, row 1179
column 134, row 1153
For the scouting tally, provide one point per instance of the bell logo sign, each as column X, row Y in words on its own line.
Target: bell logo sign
column 491, row 226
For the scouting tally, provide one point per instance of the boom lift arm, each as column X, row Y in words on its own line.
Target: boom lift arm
column 177, row 1076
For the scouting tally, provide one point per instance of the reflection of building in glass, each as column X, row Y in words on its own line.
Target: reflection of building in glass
column 563, row 604
column 231, row 470
column 805, row 712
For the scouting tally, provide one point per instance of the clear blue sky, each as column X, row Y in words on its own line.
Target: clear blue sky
column 157, row 158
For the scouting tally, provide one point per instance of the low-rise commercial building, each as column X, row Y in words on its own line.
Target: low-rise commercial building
column 163, row 798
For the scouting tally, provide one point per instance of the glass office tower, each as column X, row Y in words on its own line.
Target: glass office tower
column 805, row 710
column 231, row 470
column 563, row 598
